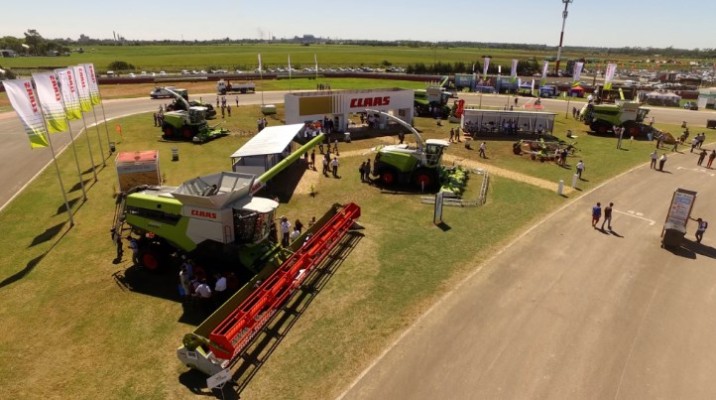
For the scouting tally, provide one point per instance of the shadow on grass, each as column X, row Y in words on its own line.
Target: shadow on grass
column 284, row 184
column 78, row 185
column 444, row 227
column 61, row 209
column 47, row 235
column 30, row 266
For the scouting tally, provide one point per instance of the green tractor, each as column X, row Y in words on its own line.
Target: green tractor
column 189, row 123
column 602, row 118
column 417, row 166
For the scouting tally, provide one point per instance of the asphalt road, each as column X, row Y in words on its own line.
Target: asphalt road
column 570, row 312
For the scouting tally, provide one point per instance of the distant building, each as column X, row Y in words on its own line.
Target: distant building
column 8, row 53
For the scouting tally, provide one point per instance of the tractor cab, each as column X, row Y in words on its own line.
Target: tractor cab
column 434, row 149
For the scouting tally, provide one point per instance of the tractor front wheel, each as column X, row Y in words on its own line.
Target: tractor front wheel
column 187, row 133
column 424, row 179
column 150, row 259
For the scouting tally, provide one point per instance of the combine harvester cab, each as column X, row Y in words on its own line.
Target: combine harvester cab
column 230, row 330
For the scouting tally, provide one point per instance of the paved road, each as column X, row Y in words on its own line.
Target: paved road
column 569, row 312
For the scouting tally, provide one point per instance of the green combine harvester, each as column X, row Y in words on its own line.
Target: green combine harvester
column 602, row 118
column 189, row 122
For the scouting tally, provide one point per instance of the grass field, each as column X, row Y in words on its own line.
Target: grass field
column 71, row 329
column 234, row 56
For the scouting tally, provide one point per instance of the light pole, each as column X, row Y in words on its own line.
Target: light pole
column 561, row 35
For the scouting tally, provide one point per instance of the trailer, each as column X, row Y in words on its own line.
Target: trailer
column 224, row 87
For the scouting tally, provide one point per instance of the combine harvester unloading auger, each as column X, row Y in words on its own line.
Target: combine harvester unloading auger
column 227, row 333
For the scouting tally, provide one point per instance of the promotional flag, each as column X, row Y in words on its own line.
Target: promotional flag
column 69, row 93
column 473, row 68
column 577, row 71
column 315, row 60
column 24, row 102
column 513, row 69
column 545, row 66
column 82, row 87
column 53, row 108
column 93, row 87
column 484, row 67
column 260, row 67
column 609, row 75
column 289, row 66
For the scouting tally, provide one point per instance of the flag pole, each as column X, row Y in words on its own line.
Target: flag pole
column 99, row 137
column 77, row 162
column 89, row 146
column 57, row 169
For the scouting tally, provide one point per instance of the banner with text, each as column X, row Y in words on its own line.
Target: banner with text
column 609, row 75
column 513, row 70
column 69, row 93
column 48, row 92
column 260, row 66
column 82, row 87
column 485, row 66
column 93, row 86
column 24, row 102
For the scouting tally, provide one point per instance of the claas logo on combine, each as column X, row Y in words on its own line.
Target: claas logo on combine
column 370, row 102
column 203, row 214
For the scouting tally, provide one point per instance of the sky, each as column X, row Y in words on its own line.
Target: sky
column 683, row 24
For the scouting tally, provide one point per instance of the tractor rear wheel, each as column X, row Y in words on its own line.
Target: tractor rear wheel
column 388, row 177
column 599, row 127
column 168, row 131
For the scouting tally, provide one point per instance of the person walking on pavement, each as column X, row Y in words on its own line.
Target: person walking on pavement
column 608, row 216
column 702, row 156
column 596, row 214
column 700, row 229
column 580, row 169
column 711, row 158
column 662, row 161
column 653, row 157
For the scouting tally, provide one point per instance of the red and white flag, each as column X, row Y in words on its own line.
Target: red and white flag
column 70, row 96
column 24, row 101
column 82, row 87
column 50, row 97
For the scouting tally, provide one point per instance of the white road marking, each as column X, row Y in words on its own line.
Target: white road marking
column 699, row 170
column 636, row 215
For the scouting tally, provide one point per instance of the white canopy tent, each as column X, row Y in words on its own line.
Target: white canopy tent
column 265, row 149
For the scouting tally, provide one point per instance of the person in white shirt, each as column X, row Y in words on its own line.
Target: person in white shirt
column 295, row 234
column 285, row 231
column 220, row 289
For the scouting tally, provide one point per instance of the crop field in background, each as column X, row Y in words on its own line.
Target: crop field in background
column 174, row 58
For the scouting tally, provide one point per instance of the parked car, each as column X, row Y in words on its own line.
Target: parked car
column 691, row 105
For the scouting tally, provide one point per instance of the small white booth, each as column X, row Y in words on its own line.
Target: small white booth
column 492, row 121
column 338, row 105
column 266, row 149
